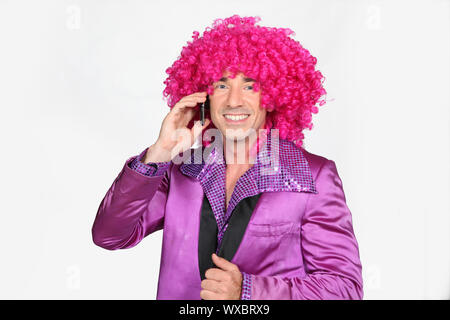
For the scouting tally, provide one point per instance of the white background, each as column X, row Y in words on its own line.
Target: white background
column 81, row 91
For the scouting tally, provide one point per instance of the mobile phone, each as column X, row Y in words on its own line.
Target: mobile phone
column 204, row 105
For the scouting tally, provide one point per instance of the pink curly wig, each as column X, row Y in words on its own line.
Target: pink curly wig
column 283, row 70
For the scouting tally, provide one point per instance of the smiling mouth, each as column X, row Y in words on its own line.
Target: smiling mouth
column 235, row 117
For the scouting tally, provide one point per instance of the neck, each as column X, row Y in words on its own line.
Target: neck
column 242, row 153
column 237, row 153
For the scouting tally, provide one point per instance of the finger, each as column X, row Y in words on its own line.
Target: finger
column 185, row 112
column 187, row 104
column 223, row 264
column 194, row 98
column 211, row 285
column 197, row 99
column 188, row 116
column 217, row 275
column 210, row 295
column 198, row 94
column 182, row 107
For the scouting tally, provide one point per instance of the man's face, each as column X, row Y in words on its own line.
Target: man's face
column 235, row 105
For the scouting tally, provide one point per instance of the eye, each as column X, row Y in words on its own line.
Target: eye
column 251, row 87
column 220, row 85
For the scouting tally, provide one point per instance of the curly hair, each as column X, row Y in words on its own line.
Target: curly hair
column 282, row 68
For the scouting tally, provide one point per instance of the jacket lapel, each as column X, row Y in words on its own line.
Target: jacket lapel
column 232, row 237
column 207, row 238
column 236, row 226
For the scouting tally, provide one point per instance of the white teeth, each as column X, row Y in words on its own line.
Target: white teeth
column 235, row 118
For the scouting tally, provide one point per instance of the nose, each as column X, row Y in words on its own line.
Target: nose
column 235, row 97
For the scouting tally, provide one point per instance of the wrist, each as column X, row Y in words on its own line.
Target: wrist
column 156, row 154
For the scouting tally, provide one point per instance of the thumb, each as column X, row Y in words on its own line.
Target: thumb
column 223, row 263
column 197, row 129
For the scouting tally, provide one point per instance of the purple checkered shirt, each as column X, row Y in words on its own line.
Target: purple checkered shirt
column 272, row 172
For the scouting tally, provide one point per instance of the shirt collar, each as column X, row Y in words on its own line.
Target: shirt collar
column 285, row 170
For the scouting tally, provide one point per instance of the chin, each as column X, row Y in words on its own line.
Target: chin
column 238, row 137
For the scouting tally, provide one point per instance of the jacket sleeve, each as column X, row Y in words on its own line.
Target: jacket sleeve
column 149, row 168
column 132, row 208
column 329, row 247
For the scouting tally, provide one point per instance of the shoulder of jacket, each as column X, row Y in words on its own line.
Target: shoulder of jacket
column 315, row 161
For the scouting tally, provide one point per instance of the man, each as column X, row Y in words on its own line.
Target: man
column 255, row 217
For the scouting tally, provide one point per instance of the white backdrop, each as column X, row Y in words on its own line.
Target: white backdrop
column 81, row 91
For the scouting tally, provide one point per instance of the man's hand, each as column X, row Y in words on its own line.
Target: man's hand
column 222, row 284
column 174, row 136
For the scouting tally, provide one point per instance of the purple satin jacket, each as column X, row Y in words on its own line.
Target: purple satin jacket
column 299, row 242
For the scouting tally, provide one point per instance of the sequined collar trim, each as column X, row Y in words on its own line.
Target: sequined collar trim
column 290, row 173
